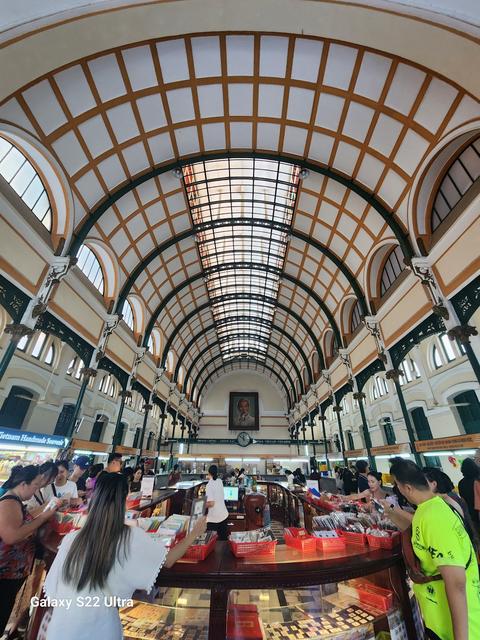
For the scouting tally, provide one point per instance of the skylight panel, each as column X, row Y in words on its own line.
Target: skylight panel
column 242, row 209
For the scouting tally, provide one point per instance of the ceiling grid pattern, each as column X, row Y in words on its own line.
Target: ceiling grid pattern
column 366, row 115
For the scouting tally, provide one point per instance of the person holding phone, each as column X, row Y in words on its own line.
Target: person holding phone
column 375, row 491
column 217, row 511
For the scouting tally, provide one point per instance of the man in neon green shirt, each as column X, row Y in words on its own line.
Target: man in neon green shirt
column 451, row 606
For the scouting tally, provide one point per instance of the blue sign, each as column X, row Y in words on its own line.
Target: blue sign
column 16, row 436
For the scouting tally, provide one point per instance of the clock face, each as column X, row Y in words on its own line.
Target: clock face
column 243, row 439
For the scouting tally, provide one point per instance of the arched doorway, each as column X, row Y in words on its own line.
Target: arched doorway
column 15, row 407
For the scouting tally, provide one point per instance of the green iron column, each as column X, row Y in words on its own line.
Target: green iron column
column 359, row 396
column 323, row 419
column 337, row 409
column 159, row 443
column 17, row 332
column 147, row 408
column 394, row 374
column 313, row 437
column 117, row 435
column 87, row 373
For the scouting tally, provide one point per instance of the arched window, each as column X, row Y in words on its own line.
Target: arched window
column 170, row 361
column 447, row 346
column 392, row 268
column 351, row 444
column 356, row 317
column 75, row 367
column 380, row 387
column 50, row 355
column 468, row 408
column 64, row 420
column 460, row 176
column 15, row 407
column 89, row 265
column 389, row 431
column 436, row 357
column 127, row 312
column 25, row 181
column 410, row 371
column 39, row 344
column 150, row 345
column 23, row 343
column 421, row 424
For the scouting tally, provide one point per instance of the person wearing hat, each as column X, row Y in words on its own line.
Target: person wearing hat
column 81, row 464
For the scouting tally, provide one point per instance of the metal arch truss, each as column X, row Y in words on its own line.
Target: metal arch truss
column 240, row 361
column 207, row 305
column 218, row 342
column 389, row 217
column 260, row 222
column 255, row 321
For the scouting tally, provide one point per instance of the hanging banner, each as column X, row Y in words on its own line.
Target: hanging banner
column 469, row 441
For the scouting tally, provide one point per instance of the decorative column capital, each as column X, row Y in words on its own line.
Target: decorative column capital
column 125, row 394
column 147, row 407
column 394, row 374
column 461, row 332
column 359, row 395
column 337, row 408
column 89, row 372
column 17, row 331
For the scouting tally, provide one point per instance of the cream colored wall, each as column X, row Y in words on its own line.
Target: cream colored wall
column 272, row 408
column 418, row 40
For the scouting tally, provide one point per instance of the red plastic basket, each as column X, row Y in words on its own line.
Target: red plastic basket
column 247, row 549
column 331, row 544
column 62, row 528
column 352, row 537
column 305, row 543
column 383, row 542
column 201, row 551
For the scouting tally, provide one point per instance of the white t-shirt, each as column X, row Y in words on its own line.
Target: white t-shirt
column 69, row 487
column 138, row 570
column 214, row 493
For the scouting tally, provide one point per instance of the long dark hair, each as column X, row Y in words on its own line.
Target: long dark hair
column 49, row 468
column 21, row 474
column 104, row 536
column 213, row 471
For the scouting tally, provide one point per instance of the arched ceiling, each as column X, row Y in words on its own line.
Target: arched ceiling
column 362, row 120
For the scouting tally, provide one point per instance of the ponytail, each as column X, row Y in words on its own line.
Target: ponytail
column 21, row 474
column 213, row 471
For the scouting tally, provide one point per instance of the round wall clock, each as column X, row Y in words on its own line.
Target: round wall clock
column 243, row 439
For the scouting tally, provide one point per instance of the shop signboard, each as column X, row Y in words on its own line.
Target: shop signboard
column 126, row 451
column 469, row 441
column 391, row 449
column 356, row 453
column 16, row 437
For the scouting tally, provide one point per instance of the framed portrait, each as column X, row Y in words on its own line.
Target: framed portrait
column 243, row 411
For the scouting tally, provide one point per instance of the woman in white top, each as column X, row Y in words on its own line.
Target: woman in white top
column 104, row 562
column 62, row 487
column 217, row 511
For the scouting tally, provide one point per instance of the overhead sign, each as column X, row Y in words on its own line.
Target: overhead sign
column 470, row 441
column 391, row 449
column 18, row 437
column 356, row 453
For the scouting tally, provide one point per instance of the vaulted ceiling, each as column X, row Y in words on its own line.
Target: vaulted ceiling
column 239, row 115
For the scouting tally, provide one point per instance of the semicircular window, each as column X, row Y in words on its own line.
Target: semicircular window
column 22, row 176
column 392, row 268
column 88, row 263
column 461, row 175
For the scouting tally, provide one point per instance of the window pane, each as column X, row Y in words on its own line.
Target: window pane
column 50, row 355
column 447, row 347
column 22, row 343
column 38, row 345
column 88, row 263
column 437, row 360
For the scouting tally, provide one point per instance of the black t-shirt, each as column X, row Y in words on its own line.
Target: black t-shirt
column 362, row 483
column 81, row 484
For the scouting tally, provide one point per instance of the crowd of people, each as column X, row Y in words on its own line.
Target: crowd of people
column 440, row 531
column 441, row 537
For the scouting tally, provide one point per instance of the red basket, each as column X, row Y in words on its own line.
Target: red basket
column 331, row 544
column 352, row 537
column 201, row 551
column 383, row 542
column 305, row 543
column 247, row 549
column 62, row 528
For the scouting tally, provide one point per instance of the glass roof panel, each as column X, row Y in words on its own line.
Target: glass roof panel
column 242, row 210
